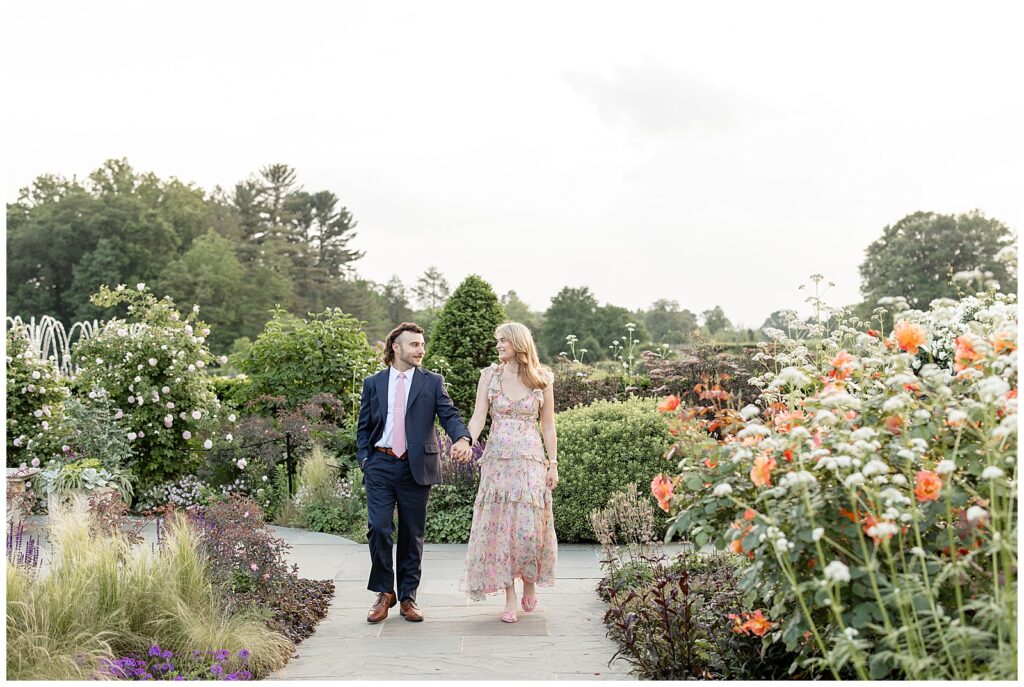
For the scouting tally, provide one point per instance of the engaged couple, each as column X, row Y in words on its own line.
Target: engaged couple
column 513, row 531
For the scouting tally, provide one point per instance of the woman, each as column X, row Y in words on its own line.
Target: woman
column 513, row 533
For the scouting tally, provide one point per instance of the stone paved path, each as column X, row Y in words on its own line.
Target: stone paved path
column 564, row 639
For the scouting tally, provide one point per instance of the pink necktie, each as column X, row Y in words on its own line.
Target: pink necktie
column 398, row 442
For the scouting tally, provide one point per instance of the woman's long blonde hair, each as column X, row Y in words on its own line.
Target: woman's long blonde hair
column 530, row 371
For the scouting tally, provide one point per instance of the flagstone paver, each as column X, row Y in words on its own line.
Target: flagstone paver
column 564, row 639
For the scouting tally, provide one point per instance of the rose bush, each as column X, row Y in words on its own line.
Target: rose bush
column 873, row 490
column 155, row 378
column 35, row 398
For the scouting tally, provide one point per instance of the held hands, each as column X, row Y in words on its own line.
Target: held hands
column 461, row 451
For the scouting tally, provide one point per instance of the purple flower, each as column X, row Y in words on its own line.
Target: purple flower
column 244, row 675
column 244, row 654
column 166, row 654
column 217, row 669
column 178, row 677
column 230, row 676
column 154, row 650
column 222, row 654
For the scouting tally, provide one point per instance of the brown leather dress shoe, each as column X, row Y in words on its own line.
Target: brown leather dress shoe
column 409, row 611
column 379, row 611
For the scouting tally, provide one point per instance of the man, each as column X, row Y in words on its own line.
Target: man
column 397, row 451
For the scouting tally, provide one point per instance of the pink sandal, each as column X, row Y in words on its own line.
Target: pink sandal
column 509, row 617
column 529, row 602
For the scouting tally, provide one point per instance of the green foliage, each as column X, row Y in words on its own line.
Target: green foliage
column 269, row 244
column 236, row 298
column 86, row 474
column 33, row 386
column 396, row 298
column 575, row 312
column 601, row 449
column 298, row 359
column 362, row 300
column 232, row 391
column 323, row 502
column 715, row 320
column 450, row 515
column 90, row 430
column 463, row 340
column 516, row 310
column 572, row 312
column 155, row 379
column 431, row 289
column 916, row 257
column 668, row 324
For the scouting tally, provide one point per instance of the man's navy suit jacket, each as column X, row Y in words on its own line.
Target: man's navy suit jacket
column 427, row 400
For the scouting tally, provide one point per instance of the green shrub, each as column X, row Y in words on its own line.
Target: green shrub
column 601, row 449
column 579, row 384
column 323, row 502
column 298, row 359
column 154, row 374
column 91, row 431
column 33, row 386
column 232, row 391
column 450, row 515
column 462, row 339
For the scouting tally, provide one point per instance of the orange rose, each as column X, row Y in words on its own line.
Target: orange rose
column 842, row 366
column 736, row 546
column 967, row 353
column 749, row 514
column 750, row 624
column 661, row 489
column 910, row 336
column 894, row 424
column 710, row 464
column 669, row 404
column 786, row 421
column 761, row 473
column 1004, row 342
column 927, row 486
column 758, row 624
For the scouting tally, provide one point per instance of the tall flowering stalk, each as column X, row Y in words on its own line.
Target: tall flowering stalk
column 874, row 490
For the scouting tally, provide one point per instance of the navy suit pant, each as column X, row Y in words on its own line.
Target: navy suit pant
column 389, row 482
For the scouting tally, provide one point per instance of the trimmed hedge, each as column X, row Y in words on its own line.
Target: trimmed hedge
column 602, row 448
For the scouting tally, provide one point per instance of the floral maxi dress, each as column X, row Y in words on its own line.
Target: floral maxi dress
column 513, row 532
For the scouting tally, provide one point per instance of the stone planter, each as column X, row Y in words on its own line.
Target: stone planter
column 17, row 482
column 74, row 500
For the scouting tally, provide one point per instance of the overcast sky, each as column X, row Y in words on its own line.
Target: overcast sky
column 710, row 153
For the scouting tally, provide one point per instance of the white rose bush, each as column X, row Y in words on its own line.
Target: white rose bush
column 156, row 381
column 35, row 398
column 873, row 491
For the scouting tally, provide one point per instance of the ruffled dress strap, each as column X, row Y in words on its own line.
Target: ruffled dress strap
column 494, row 382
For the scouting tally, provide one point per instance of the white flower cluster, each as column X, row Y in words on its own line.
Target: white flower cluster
column 182, row 493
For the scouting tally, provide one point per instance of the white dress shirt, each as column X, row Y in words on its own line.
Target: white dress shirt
column 386, row 439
